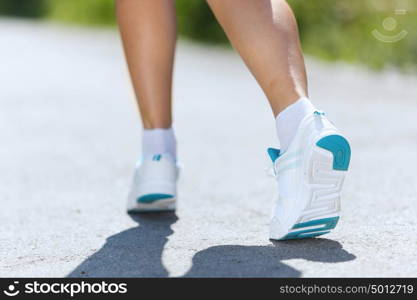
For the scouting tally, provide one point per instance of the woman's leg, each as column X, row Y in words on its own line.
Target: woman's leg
column 148, row 30
column 312, row 150
column 265, row 34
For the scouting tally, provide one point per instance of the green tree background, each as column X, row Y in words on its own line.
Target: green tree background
column 330, row 29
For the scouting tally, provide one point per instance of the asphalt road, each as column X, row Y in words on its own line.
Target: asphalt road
column 70, row 137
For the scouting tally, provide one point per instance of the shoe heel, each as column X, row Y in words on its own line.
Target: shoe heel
column 309, row 229
column 340, row 149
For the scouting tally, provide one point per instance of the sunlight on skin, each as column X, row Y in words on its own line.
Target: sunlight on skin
column 264, row 32
column 148, row 31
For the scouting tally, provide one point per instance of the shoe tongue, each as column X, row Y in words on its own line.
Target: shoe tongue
column 273, row 153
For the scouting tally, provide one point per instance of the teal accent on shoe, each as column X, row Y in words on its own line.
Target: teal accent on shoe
column 273, row 153
column 340, row 149
column 149, row 198
column 329, row 223
column 157, row 157
column 304, row 236
column 319, row 113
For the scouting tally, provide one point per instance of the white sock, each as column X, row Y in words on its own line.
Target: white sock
column 159, row 141
column 288, row 120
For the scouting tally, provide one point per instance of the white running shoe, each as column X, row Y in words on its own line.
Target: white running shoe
column 154, row 185
column 310, row 176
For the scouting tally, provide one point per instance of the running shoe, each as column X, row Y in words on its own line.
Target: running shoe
column 154, row 186
column 310, row 177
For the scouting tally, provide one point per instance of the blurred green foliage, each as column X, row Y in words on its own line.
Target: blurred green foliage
column 329, row 29
column 23, row 8
column 196, row 21
column 88, row 12
column 334, row 29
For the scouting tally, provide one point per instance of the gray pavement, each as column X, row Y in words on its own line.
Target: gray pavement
column 70, row 136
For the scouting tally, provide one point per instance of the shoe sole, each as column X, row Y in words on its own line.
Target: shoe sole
column 329, row 164
column 152, row 196
column 158, row 205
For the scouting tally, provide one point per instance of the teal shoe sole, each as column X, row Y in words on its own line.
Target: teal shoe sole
column 153, row 203
column 150, row 198
column 340, row 149
column 327, row 225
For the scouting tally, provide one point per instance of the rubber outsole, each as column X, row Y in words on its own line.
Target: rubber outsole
column 160, row 205
column 150, row 198
column 340, row 149
column 328, row 224
column 149, row 211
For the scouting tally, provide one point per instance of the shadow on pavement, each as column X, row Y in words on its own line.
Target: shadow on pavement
column 265, row 261
column 136, row 252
